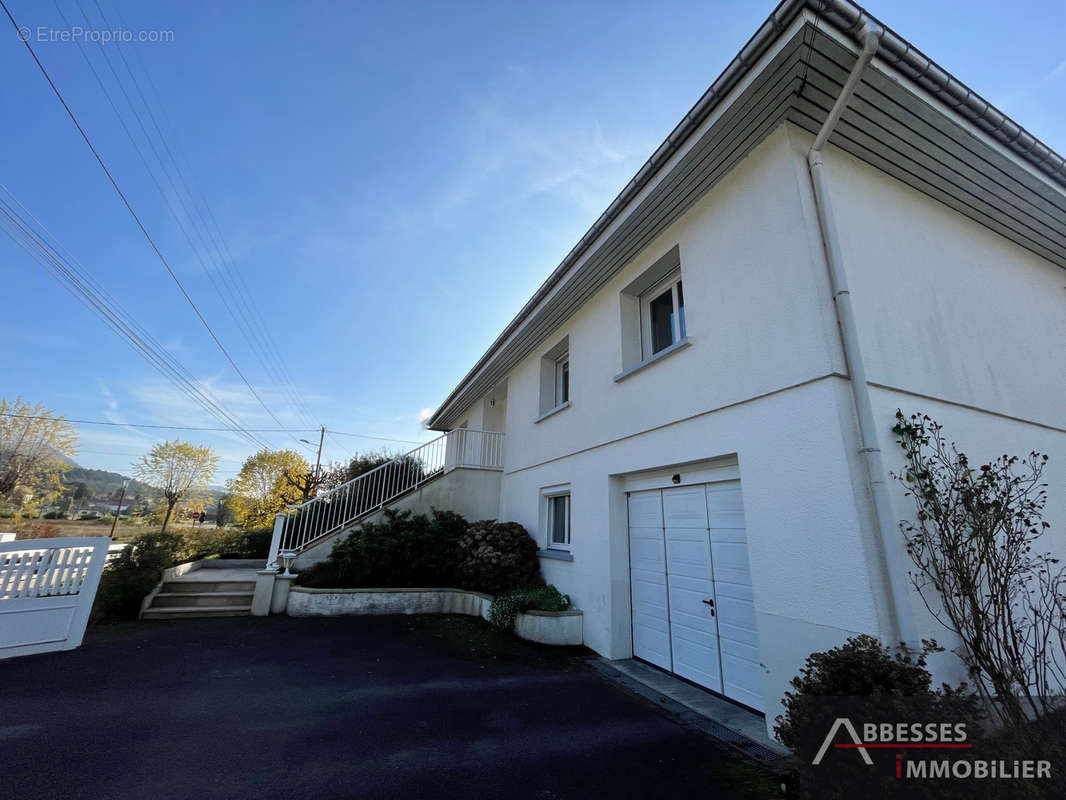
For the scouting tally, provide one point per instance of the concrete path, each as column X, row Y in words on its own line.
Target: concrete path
column 345, row 707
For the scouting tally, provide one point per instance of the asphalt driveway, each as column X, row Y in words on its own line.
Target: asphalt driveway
column 342, row 707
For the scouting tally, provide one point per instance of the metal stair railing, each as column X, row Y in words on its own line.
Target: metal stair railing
column 299, row 527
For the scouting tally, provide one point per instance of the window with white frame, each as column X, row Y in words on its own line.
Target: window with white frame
column 662, row 315
column 555, row 378
column 557, row 519
column 653, row 312
column 562, row 379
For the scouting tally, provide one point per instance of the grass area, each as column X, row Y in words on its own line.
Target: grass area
column 48, row 528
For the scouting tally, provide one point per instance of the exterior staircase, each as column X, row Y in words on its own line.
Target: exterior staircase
column 205, row 592
column 299, row 528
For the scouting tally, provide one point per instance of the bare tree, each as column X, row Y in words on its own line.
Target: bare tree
column 975, row 543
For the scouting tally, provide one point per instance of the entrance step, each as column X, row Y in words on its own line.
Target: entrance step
column 182, row 612
column 200, row 587
column 185, row 599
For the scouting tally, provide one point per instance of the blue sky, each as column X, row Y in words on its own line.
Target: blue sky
column 392, row 180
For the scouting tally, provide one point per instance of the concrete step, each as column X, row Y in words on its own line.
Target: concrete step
column 183, row 612
column 203, row 587
column 232, row 563
column 180, row 599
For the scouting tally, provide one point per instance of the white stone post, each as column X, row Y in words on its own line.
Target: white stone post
column 275, row 542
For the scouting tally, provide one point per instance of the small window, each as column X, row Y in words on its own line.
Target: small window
column 555, row 379
column 559, row 522
column 562, row 379
column 662, row 311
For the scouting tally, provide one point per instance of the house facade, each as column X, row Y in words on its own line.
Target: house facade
column 697, row 405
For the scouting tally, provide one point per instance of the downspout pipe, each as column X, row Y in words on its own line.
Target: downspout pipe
column 891, row 541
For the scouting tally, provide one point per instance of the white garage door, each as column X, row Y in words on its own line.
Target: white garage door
column 693, row 606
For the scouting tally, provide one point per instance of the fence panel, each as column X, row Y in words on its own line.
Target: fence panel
column 47, row 588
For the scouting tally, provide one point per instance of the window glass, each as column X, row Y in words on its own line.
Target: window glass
column 681, row 310
column 560, row 520
column 661, row 310
column 564, row 381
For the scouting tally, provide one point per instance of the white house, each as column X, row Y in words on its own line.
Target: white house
column 697, row 405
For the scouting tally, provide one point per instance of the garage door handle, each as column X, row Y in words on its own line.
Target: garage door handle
column 710, row 603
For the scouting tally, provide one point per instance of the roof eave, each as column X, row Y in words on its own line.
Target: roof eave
column 846, row 17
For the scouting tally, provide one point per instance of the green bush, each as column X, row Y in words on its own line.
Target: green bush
column 497, row 557
column 403, row 549
column 226, row 543
column 130, row 577
column 506, row 608
column 862, row 681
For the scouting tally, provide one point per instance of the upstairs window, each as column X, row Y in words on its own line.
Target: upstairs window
column 653, row 314
column 662, row 311
column 555, row 379
column 562, row 379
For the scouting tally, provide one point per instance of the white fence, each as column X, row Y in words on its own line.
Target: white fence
column 298, row 527
column 47, row 588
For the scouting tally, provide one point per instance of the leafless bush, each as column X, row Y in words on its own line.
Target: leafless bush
column 975, row 543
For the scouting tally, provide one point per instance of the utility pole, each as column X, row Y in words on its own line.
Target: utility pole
column 318, row 458
column 121, row 497
column 318, row 463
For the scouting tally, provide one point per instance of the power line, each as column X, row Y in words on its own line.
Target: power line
column 197, row 428
column 337, row 442
column 260, row 341
column 137, row 219
column 380, row 438
column 84, row 289
column 162, row 427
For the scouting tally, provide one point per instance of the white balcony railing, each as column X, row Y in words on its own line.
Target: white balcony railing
column 299, row 527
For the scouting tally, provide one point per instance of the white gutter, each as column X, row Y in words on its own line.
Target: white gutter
column 891, row 540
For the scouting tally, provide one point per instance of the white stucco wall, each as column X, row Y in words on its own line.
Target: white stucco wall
column 759, row 381
column 959, row 323
column 954, row 320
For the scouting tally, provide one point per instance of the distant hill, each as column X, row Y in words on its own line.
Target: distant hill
column 102, row 483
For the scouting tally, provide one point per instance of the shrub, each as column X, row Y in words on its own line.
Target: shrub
column 506, row 608
column 497, row 557
column 862, row 681
column 403, row 549
column 130, row 577
column 226, row 543
column 54, row 515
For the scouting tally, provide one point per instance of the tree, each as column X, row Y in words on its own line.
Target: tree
column 976, row 545
column 268, row 481
column 33, row 443
column 178, row 469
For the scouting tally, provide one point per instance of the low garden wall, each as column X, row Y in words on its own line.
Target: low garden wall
column 545, row 627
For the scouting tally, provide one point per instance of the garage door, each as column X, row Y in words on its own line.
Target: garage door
column 693, row 606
